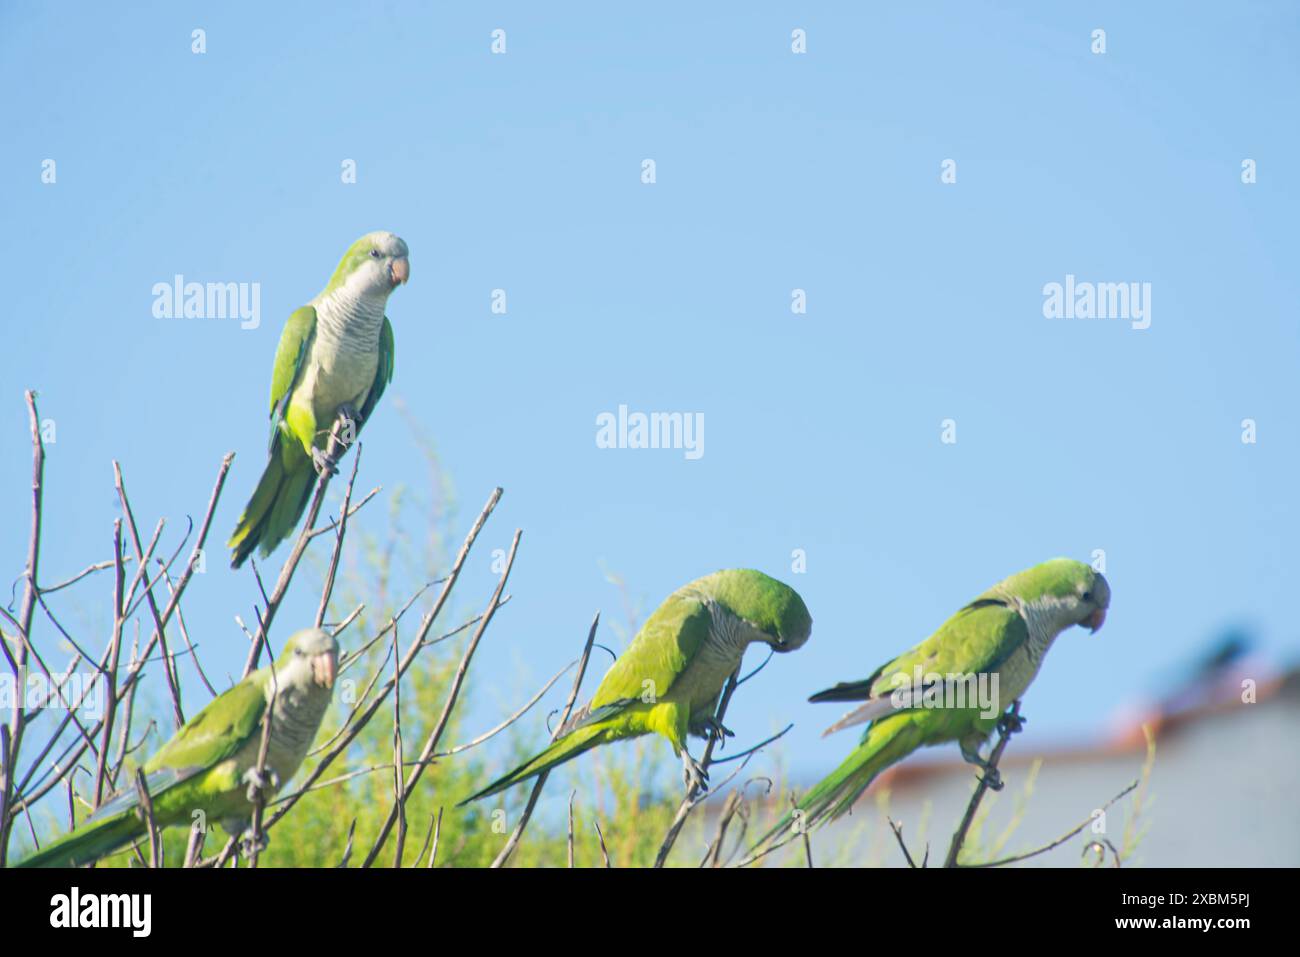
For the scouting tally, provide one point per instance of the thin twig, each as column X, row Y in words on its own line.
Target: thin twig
column 713, row 856
column 342, row 525
column 73, row 754
column 437, row 830
column 141, row 556
column 1007, row 726
column 528, row 705
column 335, row 448
column 898, row 834
column 146, row 802
column 513, row 841
column 11, row 741
column 457, row 682
column 1060, row 840
column 572, row 795
column 110, row 673
column 399, row 791
column 693, row 796
column 604, row 852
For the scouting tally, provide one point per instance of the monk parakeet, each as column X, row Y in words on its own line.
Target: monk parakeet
column 335, row 358
column 955, row 685
column 669, row 679
column 211, row 763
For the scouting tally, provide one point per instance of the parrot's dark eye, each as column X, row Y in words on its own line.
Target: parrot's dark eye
column 1087, row 596
column 374, row 254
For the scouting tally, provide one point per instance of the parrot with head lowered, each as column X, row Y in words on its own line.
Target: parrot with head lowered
column 334, row 359
column 211, row 764
column 669, row 679
column 930, row 695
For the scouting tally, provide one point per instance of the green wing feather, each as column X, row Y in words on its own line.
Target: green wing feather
column 216, row 732
column 285, row 484
column 976, row 640
column 290, row 357
column 383, row 374
column 659, row 653
column 210, row 737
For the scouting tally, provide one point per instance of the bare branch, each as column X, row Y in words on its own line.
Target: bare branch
column 713, row 855
column 11, row 744
column 513, row 841
column 146, row 803
column 411, row 652
column 141, row 556
column 604, row 852
column 572, row 795
column 1060, row 840
column 457, row 682
column 692, row 798
column 342, row 525
column 335, row 449
column 528, row 705
column 1008, row 724
column 898, row 834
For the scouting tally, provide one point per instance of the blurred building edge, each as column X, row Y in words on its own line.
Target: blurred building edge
column 1222, row 792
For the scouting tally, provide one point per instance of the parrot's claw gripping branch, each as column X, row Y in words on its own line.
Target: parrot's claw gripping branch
column 712, row 728
column 694, row 775
column 323, row 462
column 992, row 778
column 1012, row 722
column 1008, row 724
column 351, row 421
column 251, row 845
column 259, row 782
column 339, row 439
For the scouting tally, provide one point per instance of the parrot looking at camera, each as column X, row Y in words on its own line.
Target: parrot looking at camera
column 211, row 764
column 1003, row 634
column 334, row 360
column 669, row 679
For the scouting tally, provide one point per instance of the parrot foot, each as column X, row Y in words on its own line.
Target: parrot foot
column 1011, row 723
column 694, row 776
column 248, row 847
column 323, row 462
column 711, row 727
column 970, row 754
column 257, row 783
column 992, row 778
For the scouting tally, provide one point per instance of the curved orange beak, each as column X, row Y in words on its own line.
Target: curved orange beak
column 399, row 270
column 1096, row 619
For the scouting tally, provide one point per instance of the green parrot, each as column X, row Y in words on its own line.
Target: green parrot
column 210, row 765
column 670, row 678
column 1000, row 637
column 335, row 358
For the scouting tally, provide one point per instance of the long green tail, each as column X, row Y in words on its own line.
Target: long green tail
column 565, row 749
column 89, row 842
column 887, row 741
column 278, row 502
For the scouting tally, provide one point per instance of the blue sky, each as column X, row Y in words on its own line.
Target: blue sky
column 775, row 171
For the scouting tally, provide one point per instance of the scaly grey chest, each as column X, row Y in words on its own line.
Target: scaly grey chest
column 295, row 720
column 719, row 655
column 1019, row 670
column 344, row 354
